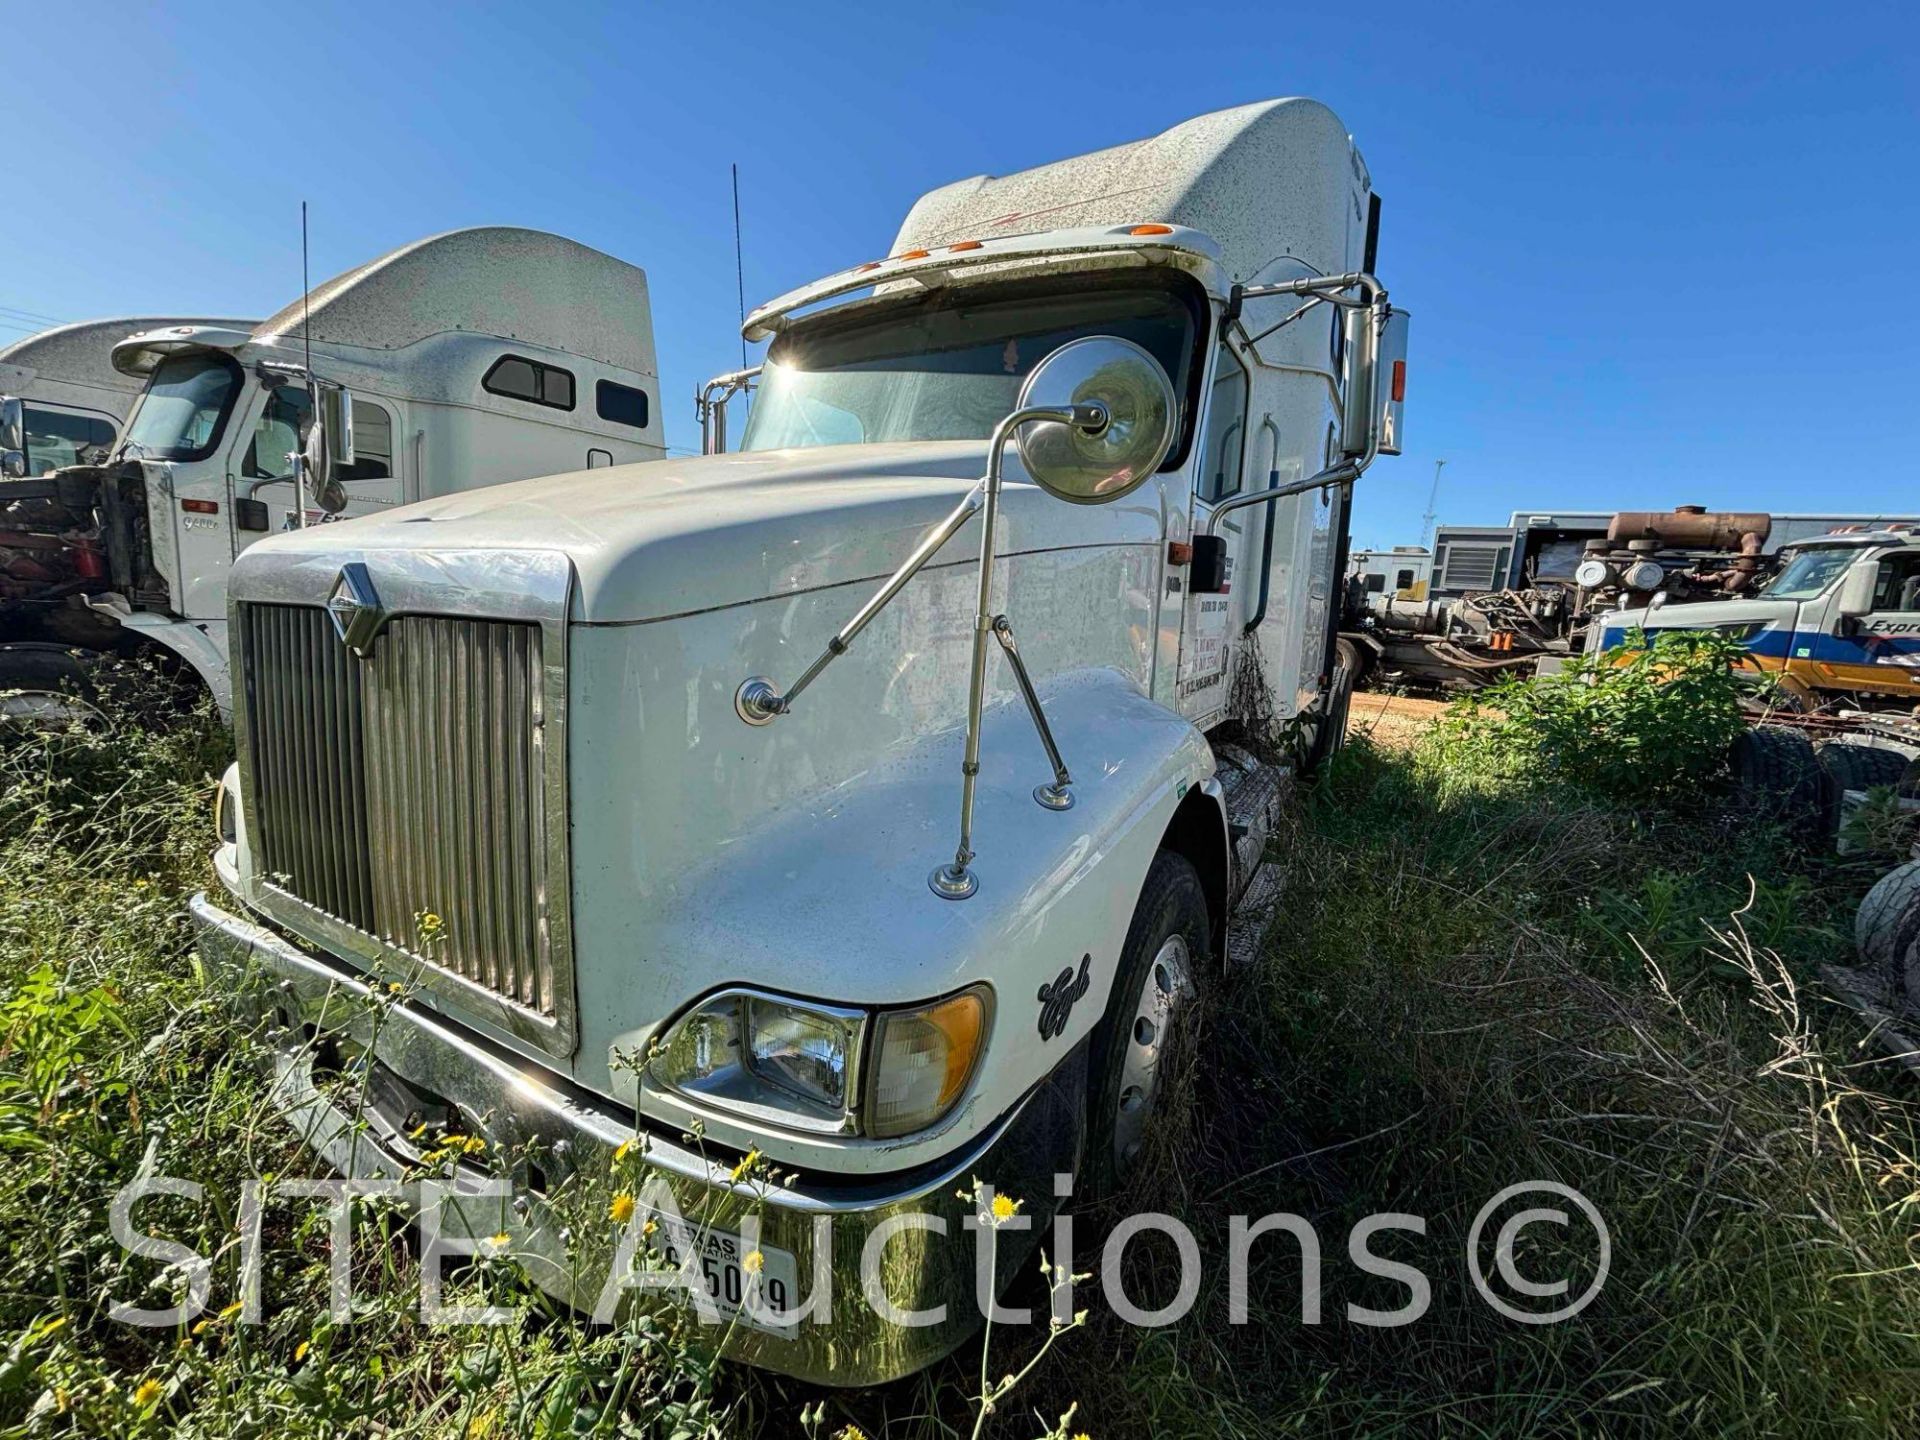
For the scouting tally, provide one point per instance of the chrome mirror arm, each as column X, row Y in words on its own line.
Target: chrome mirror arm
column 957, row 881
column 758, row 701
column 1058, row 795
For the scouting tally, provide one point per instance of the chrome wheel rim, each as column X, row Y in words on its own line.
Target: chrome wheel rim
column 44, row 709
column 1164, row 995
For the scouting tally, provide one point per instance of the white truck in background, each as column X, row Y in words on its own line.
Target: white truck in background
column 72, row 400
column 731, row 829
column 458, row 361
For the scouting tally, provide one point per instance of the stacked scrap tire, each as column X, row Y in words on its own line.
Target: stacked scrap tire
column 1778, row 778
column 1886, row 930
column 1852, row 766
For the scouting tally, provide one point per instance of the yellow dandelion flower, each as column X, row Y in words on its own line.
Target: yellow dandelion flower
column 851, row 1432
column 146, row 1393
column 500, row 1241
column 232, row 1310
column 1005, row 1207
column 300, row 1350
column 622, row 1150
column 199, row 1326
column 753, row 1262
column 747, row 1162
column 648, row 1227
column 621, row 1210
column 1081, row 1435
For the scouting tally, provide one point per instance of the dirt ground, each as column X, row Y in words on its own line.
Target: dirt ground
column 1393, row 720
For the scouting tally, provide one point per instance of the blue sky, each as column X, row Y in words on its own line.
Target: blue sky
column 1654, row 255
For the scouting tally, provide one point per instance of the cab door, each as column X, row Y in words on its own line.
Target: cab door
column 1878, row 651
column 372, row 483
column 1211, row 624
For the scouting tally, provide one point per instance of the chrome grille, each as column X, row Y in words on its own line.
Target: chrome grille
column 406, row 783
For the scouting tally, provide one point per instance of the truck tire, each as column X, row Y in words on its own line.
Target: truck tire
column 1856, row 767
column 46, row 687
column 1147, row 1022
column 1886, row 924
column 1777, row 778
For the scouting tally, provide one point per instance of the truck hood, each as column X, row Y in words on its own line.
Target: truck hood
column 1758, row 613
column 679, row 537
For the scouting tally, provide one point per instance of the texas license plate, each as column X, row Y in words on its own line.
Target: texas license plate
column 761, row 1295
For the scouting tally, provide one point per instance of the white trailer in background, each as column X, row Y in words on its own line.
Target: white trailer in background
column 471, row 358
column 703, row 844
column 72, row 399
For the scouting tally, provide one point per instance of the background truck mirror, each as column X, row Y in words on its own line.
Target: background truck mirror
column 1856, row 591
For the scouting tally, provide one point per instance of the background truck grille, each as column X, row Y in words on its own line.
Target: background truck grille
column 407, row 783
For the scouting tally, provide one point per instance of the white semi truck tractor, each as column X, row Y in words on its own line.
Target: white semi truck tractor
column 818, row 828
column 455, row 362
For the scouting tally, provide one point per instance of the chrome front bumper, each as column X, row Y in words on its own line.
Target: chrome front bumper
column 413, row 1073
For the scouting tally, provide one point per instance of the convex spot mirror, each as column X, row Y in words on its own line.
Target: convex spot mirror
column 329, row 448
column 1093, row 467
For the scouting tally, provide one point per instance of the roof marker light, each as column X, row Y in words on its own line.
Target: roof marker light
column 1151, row 230
column 911, row 255
column 959, row 245
column 870, row 265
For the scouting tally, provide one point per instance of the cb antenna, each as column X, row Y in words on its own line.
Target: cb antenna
column 313, row 389
column 1433, row 505
column 739, row 267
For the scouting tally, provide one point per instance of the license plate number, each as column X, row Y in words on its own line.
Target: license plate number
column 717, row 1260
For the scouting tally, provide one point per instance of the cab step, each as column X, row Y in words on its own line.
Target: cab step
column 1254, row 792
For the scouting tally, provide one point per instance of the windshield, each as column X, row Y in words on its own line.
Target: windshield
column 1809, row 572
column 948, row 366
column 184, row 407
column 57, row 439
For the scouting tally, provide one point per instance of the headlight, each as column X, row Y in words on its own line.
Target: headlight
column 763, row 1055
column 799, row 1064
column 922, row 1061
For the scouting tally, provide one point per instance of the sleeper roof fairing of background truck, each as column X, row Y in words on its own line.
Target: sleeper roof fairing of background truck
column 72, row 364
column 440, row 309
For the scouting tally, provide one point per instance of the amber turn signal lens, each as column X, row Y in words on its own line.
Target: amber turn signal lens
column 1151, row 230
column 924, row 1059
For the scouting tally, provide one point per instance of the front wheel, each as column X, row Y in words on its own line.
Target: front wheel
column 1142, row 1051
column 46, row 687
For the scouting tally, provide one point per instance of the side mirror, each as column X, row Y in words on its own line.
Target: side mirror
column 1856, row 590
column 13, row 437
column 1092, row 465
column 329, row 447
column 1360, row 382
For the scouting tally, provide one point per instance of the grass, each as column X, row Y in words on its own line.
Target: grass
column 1478, row 977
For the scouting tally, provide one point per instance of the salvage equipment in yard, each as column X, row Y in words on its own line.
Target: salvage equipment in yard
column 695, row 796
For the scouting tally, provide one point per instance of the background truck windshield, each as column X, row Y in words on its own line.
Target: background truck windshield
column 947, row 367
column 185, row 405
column 1810, row 572
column 57, row 439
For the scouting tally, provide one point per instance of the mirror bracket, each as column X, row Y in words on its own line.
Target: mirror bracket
column 1058, row 795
